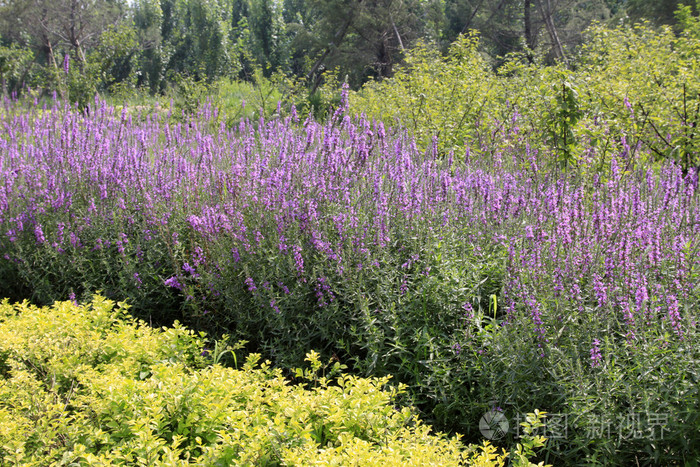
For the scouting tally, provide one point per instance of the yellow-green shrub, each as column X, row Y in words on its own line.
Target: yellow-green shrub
column 451, row 98
column 631, row 90
column 88, row 385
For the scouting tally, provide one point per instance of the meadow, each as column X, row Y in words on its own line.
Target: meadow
column 506, row 266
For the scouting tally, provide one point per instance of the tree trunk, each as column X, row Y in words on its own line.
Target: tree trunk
column 396, row 31
column 74, row 33
column 49, row 47
column 384, row 60
column 529, row 36
column 337, row 39
column 471, row 17
column 546, row 12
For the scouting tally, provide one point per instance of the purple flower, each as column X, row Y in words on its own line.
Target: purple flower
column 674, row 315
column 282, row 244
column 174, row 282
column 188, row 269
column 628, row 105
column 339, row 198
column 596, row 356
column 251, row 284
column 468, row 310
column 600, row 290
column 74, row 240
column 298, row 259
column 11, row 234
column 39, row 234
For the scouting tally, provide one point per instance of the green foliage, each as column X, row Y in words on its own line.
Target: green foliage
column 196, row 38
column 566, row 116
column 187, row 95
column 657, row 11
column 449, row 98
column 148, row 18
column 81, row 85
column 115, row 57
column 640, row 404
column 87, row 385
column 531, row 442
column 645, row 85
column 15, row 66
column 269, row 41
column 260, row 96
column 629, row 88
column 361, row 39
column 304, row 39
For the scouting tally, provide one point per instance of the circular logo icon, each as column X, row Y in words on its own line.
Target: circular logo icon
column 493, row 425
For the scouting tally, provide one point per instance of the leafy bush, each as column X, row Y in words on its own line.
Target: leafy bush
column 239, row 100
column 88, row 385
column 628, row 88
column 644, row 84
column 452, row 98
column 16, row 69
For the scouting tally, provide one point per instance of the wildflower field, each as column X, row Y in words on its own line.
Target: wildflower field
column 506, row 282
column 498, row 242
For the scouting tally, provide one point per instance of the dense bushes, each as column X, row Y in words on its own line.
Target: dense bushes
column 88, row 385
column 630, row 89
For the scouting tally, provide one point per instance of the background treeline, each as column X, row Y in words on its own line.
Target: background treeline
column 79, row 47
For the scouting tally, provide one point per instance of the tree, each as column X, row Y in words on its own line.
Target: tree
column 361, row 38
column 115, row 56
column 195, row 35
column 148, row 20
column 15, row 63
column 48, row 25
column 657, row 11
column 515, row 25
column 268, row 37
column 546, row 11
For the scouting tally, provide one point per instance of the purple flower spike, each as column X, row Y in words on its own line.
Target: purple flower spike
column 39, row 234
column 251, row 284
column 596, row 356
column 174, row 282
column 188, row 269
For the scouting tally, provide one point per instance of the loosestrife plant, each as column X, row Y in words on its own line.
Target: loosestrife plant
column 468, row 279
